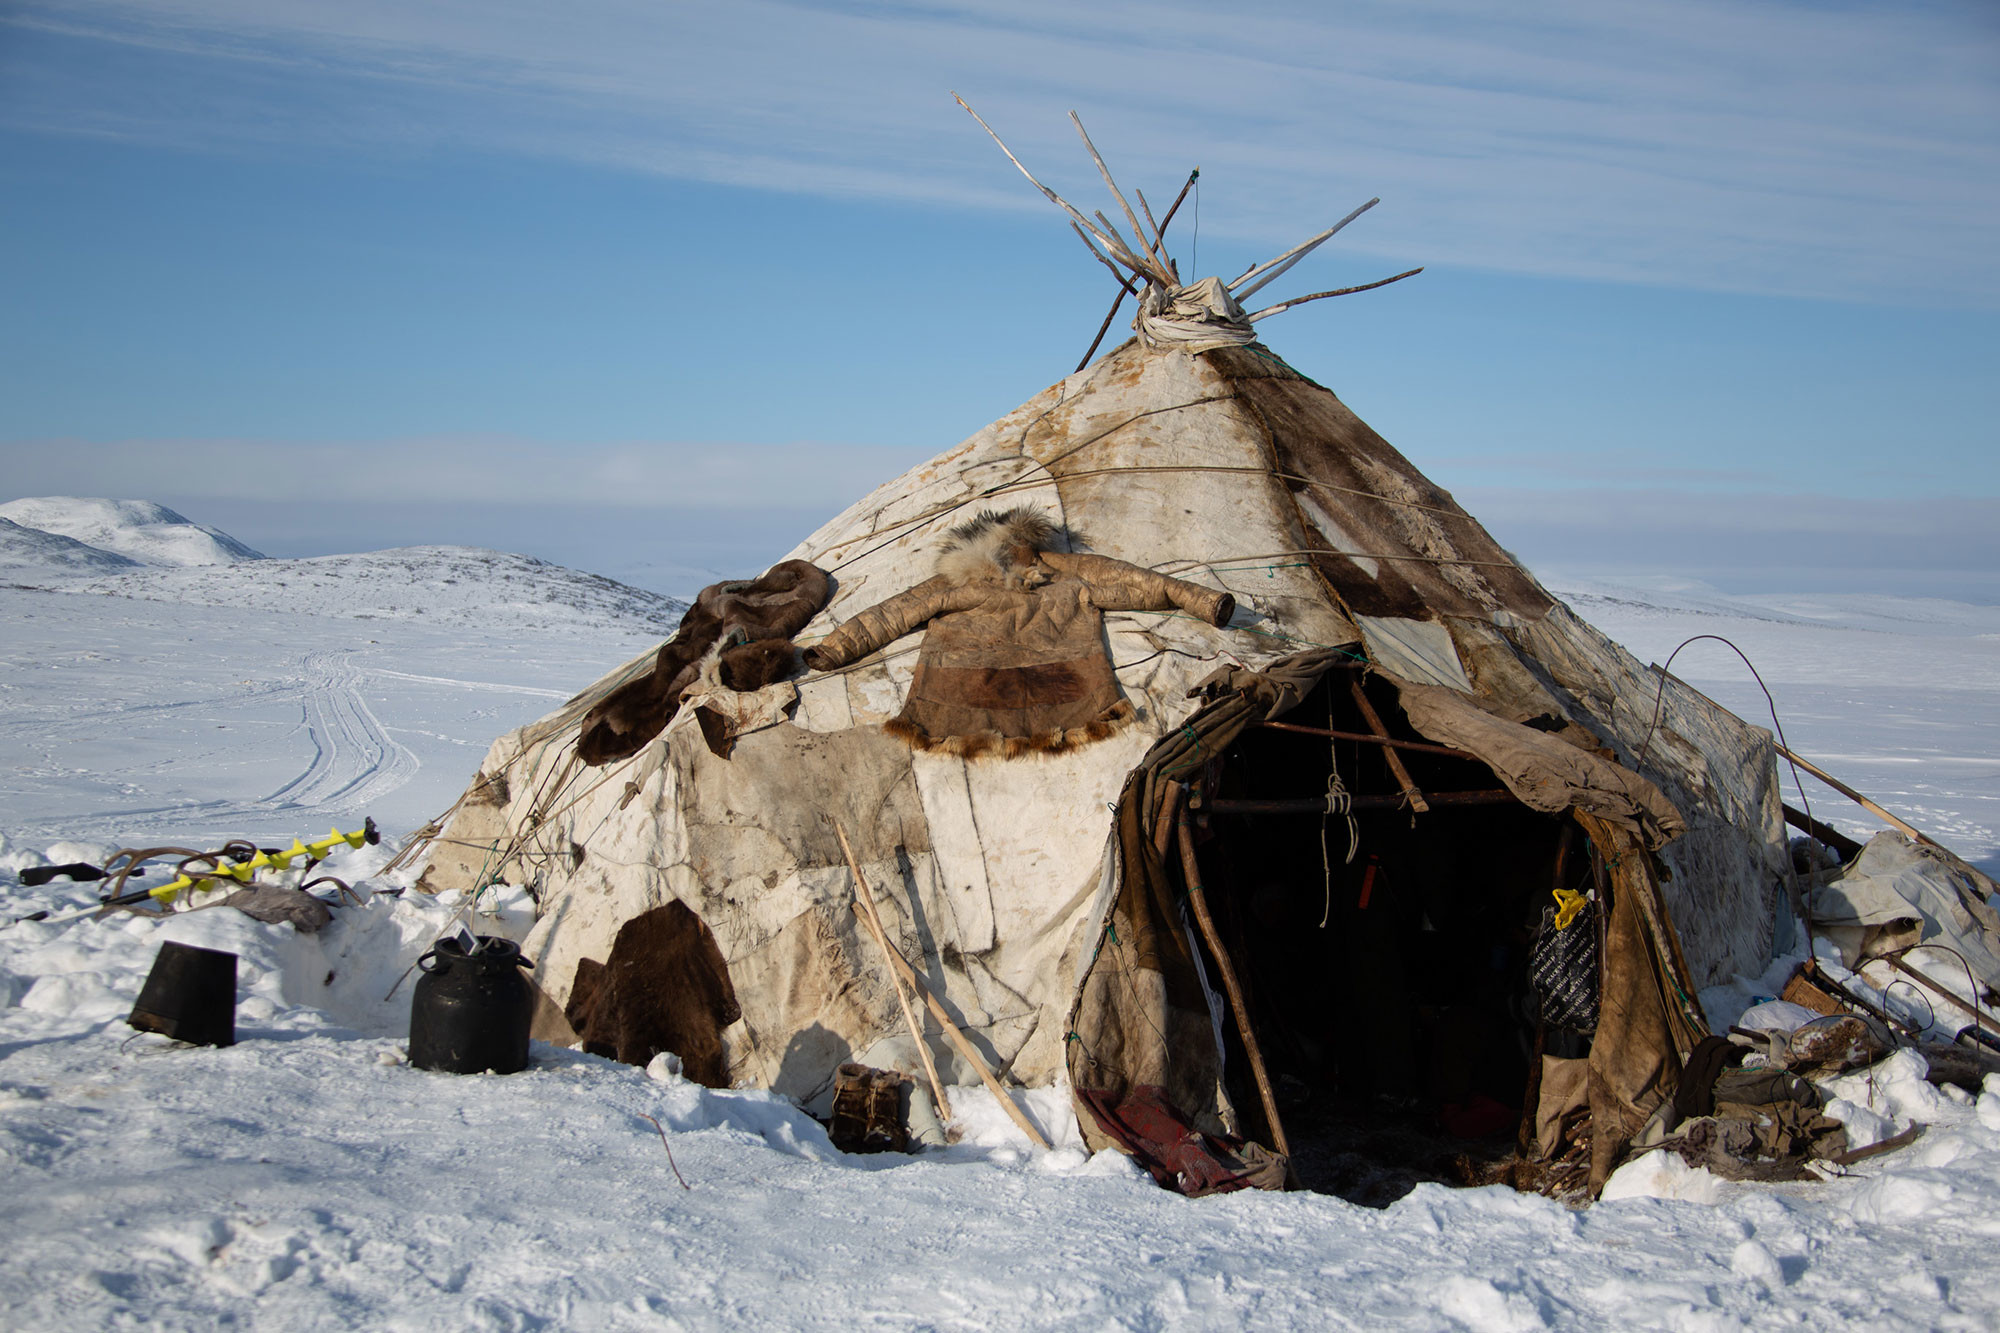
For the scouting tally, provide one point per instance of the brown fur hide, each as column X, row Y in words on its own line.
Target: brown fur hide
column 752, row 666
column 665, row 988
column 1013, row 660
column 753, row 621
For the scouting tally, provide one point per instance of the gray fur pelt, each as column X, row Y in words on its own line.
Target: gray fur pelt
column 999, row 546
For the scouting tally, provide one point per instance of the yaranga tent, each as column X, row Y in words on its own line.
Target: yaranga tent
column 1202, row 757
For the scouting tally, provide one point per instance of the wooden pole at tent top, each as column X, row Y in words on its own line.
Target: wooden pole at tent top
column 1160, row 233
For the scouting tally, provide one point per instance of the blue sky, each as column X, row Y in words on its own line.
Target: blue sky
column 1711, row 289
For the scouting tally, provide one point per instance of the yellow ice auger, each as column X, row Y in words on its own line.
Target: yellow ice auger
column 242, row 871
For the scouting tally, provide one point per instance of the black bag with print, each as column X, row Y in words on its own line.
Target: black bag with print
column 1562, row 968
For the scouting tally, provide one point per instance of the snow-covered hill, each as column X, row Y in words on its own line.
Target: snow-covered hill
column 145, row 532
column 439, row 585
column 32, row 553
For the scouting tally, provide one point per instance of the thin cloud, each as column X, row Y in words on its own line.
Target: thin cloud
column 489, row 471
column 1619, row 469
column 1758, row 541
column 1778, row 148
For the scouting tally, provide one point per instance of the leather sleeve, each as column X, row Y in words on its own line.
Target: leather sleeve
column 887, row 621
column 1118, row 586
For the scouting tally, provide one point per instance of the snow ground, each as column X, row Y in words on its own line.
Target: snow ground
column 262, row 699
column 309, row 1178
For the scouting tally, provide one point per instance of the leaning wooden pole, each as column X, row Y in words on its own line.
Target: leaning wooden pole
column 874, row 924
column 1900, row 825
column 1198, row 900
column 1411, row 793
column 1830, row 780
column 863, row 907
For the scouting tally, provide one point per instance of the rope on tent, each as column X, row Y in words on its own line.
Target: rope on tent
column 1022, row 484
column 496, row 859
column 1250, row 561
column 1338, row 802
column 423, row 836
column 904, row 527
column 1659, row 709
column 1345, row 649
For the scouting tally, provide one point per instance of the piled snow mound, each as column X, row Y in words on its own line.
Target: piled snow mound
column 440, row 585
column 147, row 533
column 35, row 551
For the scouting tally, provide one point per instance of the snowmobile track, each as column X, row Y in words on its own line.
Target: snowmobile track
column 354, row 758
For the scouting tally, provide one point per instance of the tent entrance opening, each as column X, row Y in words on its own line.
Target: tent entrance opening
column 1383, row 952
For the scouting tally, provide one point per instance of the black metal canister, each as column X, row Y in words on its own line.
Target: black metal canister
column 471, row 1010
column 190, row 995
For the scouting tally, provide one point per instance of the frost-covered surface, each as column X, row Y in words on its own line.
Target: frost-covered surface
column 142, row 531
column 308, row 1177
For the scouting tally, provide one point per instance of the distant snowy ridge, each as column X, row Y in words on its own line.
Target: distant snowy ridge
column 440, row 585
column 140, row 530
column 36, row 551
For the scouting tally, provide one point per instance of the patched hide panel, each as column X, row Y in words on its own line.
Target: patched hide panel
column 1360, row 495
column 665, row 988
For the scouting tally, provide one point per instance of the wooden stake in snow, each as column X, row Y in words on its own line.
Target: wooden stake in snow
column 965, row 1048
column 874, row 924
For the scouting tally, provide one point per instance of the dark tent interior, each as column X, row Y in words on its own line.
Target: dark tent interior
column 1383, row 952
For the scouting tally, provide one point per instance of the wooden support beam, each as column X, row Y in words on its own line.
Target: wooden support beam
column 863, row 906
column 1847, row 847
column 1124, row 287
column 1855, row 796
column 1316, row 805
column 1420, row 747
column 1167, row 818
column 1374, row 721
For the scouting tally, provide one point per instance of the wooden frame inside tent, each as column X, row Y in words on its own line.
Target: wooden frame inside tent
column 1228, row 783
